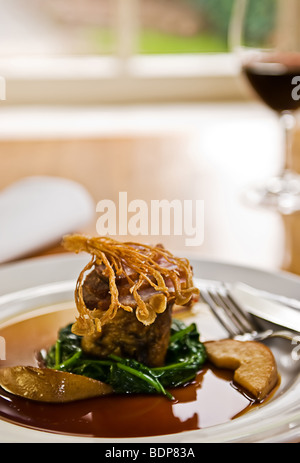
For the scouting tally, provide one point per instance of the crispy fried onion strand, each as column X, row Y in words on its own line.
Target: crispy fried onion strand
column 118, row 257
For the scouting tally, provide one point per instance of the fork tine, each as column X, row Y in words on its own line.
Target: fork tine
column 238, row 323
column 222, row 301
column 244, row 320
column 219, row 314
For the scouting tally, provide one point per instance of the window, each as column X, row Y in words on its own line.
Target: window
column 184, row 26
column 56, row 27
column 100, row 51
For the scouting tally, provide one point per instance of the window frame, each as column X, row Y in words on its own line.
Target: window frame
column 125, row 77
column 107, row 80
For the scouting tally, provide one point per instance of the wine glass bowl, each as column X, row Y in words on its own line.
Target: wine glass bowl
column 265, row 35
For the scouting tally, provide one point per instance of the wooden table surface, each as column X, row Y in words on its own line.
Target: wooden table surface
column 211, row 153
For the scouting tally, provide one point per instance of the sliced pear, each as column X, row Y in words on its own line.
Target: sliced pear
column 47, row 385
column 253, row 363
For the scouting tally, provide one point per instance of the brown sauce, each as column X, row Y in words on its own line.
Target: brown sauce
column 210, row 400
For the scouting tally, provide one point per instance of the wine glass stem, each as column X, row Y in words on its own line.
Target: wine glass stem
column 287, row 120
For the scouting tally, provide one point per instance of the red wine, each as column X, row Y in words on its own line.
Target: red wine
column 272, row 81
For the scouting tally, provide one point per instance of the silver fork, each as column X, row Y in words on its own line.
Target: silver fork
column 238, row 323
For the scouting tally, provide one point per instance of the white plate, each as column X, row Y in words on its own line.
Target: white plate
column 45, row 281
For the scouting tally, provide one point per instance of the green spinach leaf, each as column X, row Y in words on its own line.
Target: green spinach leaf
column 185, row 357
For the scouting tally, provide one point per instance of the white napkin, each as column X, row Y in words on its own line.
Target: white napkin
column 36, row 212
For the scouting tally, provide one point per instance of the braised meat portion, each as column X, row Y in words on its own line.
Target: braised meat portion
column 125, row 297
column 125, row 335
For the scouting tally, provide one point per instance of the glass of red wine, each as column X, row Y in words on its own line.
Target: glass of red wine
column 265, row 35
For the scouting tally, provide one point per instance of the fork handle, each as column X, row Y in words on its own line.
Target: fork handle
column 289, row 335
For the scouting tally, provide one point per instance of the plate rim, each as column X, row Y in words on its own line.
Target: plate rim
column 227, row 432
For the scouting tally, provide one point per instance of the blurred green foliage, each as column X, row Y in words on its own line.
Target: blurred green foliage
column 210, row 38
column 260, row 20
column 217, row 14
column 157, row 42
